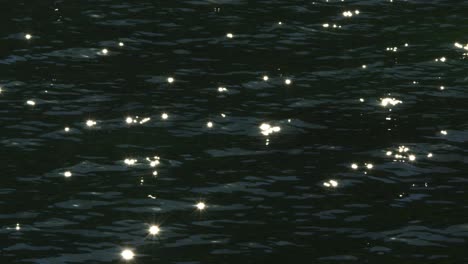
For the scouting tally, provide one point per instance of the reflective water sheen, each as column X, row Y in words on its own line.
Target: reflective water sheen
column 228, row 131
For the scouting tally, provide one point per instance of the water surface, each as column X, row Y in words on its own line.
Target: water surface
column 354, row 149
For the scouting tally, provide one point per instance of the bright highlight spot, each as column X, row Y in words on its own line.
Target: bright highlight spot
column 154, row 230
column 90, row 123
column 331, row 183
column 229, row 35
column 392, row 101
column 403, row 149
column 144, row 120
column 154, row 163
column 27, row 36
column 267, row 129
column 209, row 124
column 354, row 166
column 127, row 254
column 347, row 14
column 200, row 206
column 67, row 174
column 30, row 102
column 130, row 161
column 287, row 81
column 170, row 80
column 164, row 116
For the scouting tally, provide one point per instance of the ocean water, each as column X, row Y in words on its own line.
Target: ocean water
column 229, row 131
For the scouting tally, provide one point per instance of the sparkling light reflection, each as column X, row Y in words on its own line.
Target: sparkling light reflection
column 144, row 120
column 130, row 162
column 200, row 206
column 154, row 163
column 392, row 101
column 127, row 254
column 267, row 129
column 331, row 183
column 460, row 46
column 90, row 123
column 154, row 230
column 222, row 89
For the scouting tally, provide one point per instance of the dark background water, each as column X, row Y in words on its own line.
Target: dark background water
column 266, row 199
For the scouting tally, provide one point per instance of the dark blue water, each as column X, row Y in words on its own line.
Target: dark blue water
column 318, row 132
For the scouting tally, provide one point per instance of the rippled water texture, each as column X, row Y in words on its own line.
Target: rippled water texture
column 225, row 131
